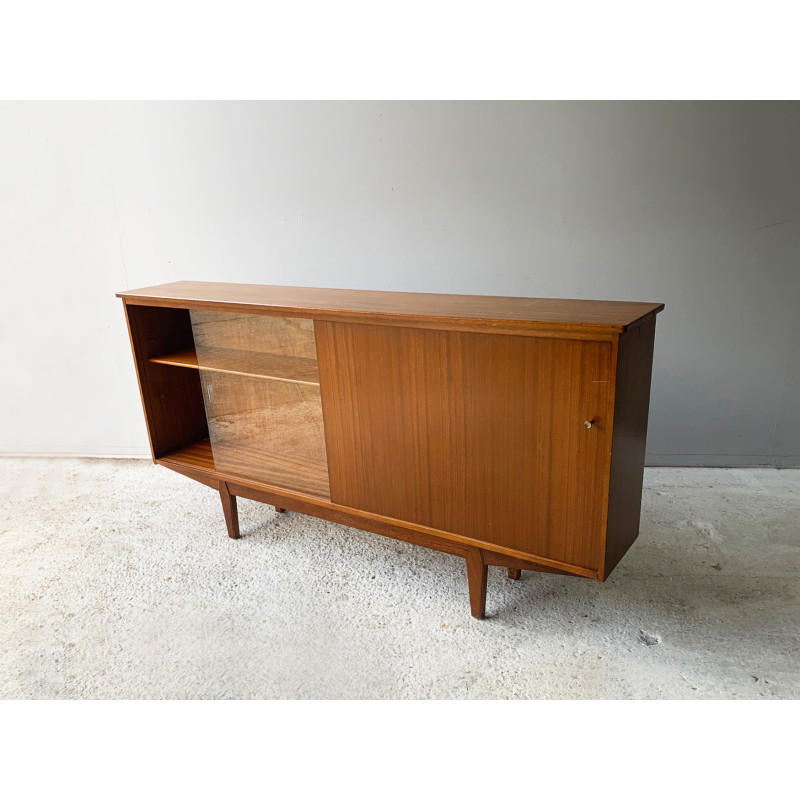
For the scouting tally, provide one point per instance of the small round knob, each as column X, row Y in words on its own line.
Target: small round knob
column 588, row 424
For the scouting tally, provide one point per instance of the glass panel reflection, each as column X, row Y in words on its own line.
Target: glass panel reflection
column 261, row 393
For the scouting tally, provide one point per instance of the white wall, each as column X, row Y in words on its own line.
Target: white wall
column 691, row 204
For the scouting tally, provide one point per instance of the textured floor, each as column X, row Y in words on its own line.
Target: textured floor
column 117, row 580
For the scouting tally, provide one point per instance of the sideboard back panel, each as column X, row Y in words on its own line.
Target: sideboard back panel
column 474, row 434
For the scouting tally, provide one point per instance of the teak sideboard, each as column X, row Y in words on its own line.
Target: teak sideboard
column 509, row 431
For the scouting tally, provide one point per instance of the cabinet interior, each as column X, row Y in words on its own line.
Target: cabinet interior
column 257, row 380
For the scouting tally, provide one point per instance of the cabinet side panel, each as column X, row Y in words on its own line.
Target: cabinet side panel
column 634, row 370
column 171, row 396
column 479, row 435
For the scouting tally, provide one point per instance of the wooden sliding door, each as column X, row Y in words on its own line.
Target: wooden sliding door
column 483, row 435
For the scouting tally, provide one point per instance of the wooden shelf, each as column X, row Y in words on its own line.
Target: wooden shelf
column 245, row 362
column 254, row 464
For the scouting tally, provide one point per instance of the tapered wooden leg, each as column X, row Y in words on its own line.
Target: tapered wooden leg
column 514, row 574
column 477, row 572
column 280, row 510
column 230, row 510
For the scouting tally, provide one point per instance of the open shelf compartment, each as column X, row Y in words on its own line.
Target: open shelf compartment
column 233, row 394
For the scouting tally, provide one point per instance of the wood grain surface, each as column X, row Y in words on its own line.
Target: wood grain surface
column 477, row 574
column 244, row 362
column 486, row 312
column 253, row 333
column 230, row 510
column 480, row 435
column 262, row 466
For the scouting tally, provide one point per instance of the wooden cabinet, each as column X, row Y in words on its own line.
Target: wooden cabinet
column 507, row 431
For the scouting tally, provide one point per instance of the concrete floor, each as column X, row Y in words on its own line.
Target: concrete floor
column 117, row 580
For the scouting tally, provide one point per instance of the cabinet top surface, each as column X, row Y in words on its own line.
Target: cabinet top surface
column 484, row 311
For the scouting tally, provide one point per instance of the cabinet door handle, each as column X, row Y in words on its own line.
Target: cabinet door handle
column 588, row 424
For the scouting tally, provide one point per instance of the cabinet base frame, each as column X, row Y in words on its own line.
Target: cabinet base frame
column 478, row 557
